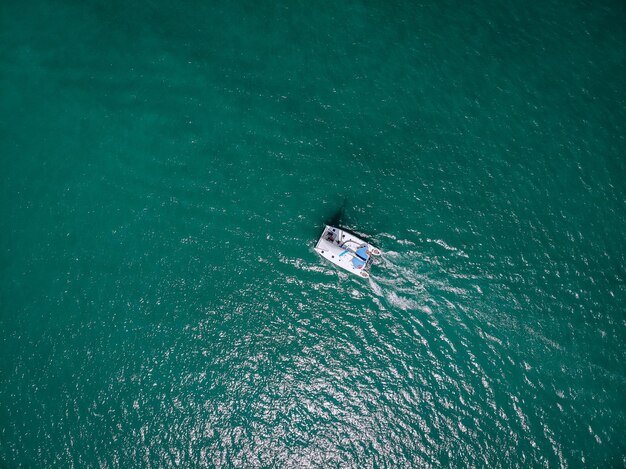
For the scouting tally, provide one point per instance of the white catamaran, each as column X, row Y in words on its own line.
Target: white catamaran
column 346, row 250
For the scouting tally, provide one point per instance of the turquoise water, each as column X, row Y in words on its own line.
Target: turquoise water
column 167, row 169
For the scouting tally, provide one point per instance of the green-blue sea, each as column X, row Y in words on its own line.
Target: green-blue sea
column 167, row 167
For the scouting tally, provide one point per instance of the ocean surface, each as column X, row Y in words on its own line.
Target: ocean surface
column 166, row 168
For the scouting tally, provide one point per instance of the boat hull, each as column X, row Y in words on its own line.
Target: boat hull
column 346, row 250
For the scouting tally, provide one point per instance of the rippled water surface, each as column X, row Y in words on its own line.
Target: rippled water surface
column 167, row 168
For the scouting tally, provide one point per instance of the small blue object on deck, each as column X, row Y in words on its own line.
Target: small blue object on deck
column 362, row 253
column 358, row 263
